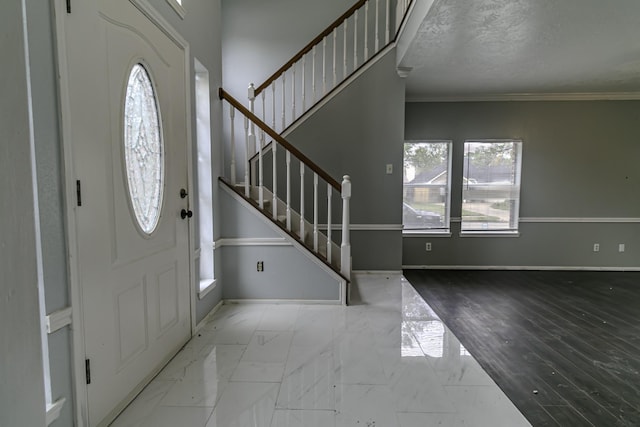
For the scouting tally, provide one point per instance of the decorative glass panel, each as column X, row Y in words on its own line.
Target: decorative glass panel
column 143, row 149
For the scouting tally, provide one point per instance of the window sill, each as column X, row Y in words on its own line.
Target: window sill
column 489, row 234
column 206, row 286
column 54, row 409
column 430, row 233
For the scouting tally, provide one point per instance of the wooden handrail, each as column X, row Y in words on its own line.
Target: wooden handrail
column 276, row 136
column 310, row 46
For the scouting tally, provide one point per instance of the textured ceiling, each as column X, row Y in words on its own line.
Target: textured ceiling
column 476, row 48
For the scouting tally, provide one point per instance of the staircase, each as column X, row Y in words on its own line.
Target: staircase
column 274, row 176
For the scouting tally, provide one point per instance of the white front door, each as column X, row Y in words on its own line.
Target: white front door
column 128, row 131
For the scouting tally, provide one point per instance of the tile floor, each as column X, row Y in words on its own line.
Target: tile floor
column 387, row 361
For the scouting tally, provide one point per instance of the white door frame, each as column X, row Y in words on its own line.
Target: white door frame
column 69, row 179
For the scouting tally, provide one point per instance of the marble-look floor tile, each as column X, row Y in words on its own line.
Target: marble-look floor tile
column 310, row 385
column 268, row 346
column 356, row 360
column 235, row 323
column 365, row 405
column 262, row 372
column 136, row 414
column 303, row 418
column 414, row 419
column 279, row 318
column 386, row 362
column 203, row 392
column 483, row 405
column 245, row 404
column 174, row 416
column 208, row 362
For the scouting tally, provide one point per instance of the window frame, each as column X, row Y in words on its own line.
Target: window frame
column 178, row 7
column 510, row 232
column 445, row 231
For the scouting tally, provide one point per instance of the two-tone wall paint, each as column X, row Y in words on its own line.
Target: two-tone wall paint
column 580, row 182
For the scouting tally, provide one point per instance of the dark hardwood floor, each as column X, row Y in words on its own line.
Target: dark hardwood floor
column 563, row 346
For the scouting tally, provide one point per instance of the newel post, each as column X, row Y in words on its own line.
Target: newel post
column 345, row 247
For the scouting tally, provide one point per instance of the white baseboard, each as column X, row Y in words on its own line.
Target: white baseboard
column 376, row 272
column 518, row 267
column 283, row 301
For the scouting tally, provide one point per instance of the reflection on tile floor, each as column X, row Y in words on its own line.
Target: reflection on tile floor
column 388, row 361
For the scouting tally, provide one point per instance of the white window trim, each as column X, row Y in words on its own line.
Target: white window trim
column 444, row 232
column 509, row 232
column 177, row 6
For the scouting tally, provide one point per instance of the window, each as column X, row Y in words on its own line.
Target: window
column 491, row 186
column 426, row 186
column 205, row 191
column 143, row 149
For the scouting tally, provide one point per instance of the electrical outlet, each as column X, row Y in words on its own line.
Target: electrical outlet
column 260, row 265
column 389, row 169
column 621, row 247
column 596, row 247
column 427, row 247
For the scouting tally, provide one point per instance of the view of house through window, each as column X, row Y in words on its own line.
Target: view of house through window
column 426, row 181
column 491, row 185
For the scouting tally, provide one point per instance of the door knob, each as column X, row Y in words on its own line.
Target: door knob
column 186, row 214
column 183, row 193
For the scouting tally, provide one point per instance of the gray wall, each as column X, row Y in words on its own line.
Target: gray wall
column 358, row 133
column 22, row 398
column 260, row 36
column 288, row 274
column 580, row 160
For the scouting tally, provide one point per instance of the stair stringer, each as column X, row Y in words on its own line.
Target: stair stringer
column 343, row 283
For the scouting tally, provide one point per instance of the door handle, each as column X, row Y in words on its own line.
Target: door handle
column 183, row 193
column 185, row 214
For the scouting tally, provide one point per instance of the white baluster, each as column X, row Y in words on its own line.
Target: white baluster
column 232, row 115
column 273, row 104
column 313, row 73
column 252, row 129
column 284, row 100
column 366, row 31
column 335, row 76
column 345, row 247
column 302, row 201
column 274, row 201
column 344, row 49
column 293, row 94
column 288, row 157
column 246, row 157
column 377, row 45
column 264, row 119
column 324, row 66
column 260, row 178
column 355, row 40
column 386, row 36
column 304, row 85
column 329, row 191
column 315, row 212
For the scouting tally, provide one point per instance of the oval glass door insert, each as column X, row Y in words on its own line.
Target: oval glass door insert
column 143, row 149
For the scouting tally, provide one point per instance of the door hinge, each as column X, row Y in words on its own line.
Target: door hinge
column 79, row 192
column 68, row 6
column 87, row 369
